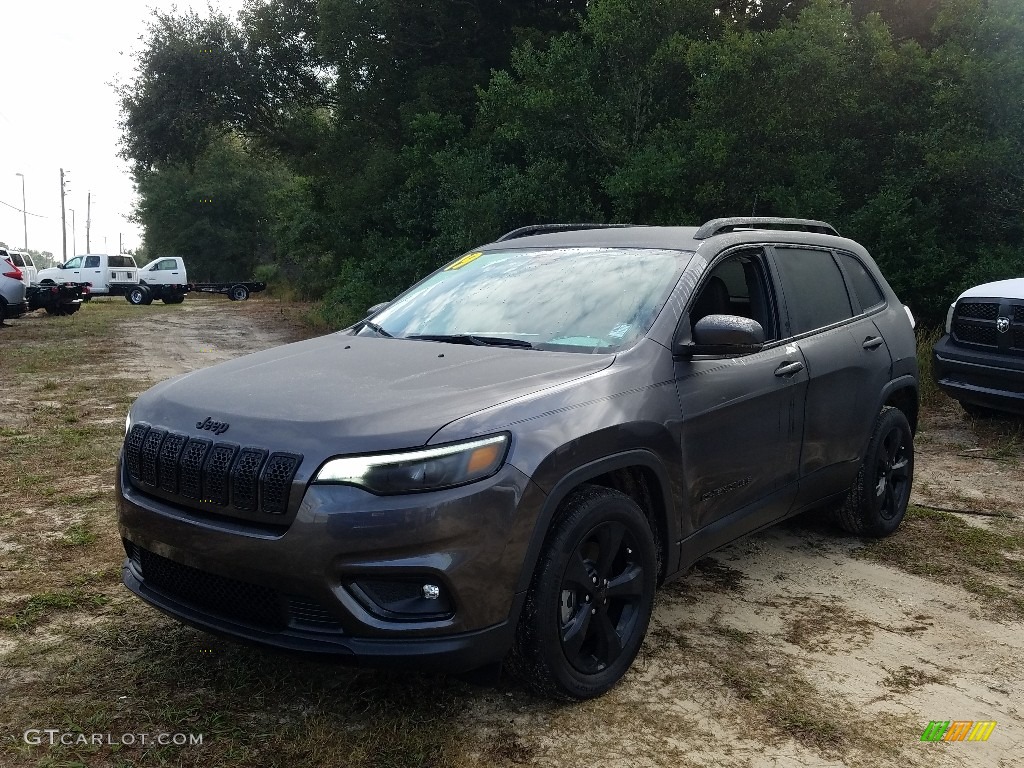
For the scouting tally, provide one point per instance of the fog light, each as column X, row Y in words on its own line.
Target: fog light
column 431, row 591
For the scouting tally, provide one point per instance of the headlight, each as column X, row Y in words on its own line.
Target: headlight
column 127, row 422
column 425, row 469
column 949, row 317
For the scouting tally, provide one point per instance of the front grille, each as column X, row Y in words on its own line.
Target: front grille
column 971, row 333
column 979, row 310
column 1018, row 313
column 221, row 596
column 200, row 473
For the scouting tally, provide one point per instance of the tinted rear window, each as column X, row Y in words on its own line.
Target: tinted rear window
column 121, row 261
column 18, row 261
column 815, row 290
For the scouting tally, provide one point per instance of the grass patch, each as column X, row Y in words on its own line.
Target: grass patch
column 928, row 391
column 78, row 535
column 941, row 546
column 907, row 679
column 42, row 606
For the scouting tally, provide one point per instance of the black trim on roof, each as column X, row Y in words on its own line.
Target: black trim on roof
column 544, row 229
column 722, row 226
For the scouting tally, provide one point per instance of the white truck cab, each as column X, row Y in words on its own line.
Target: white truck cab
column 169, row 270
column 109, row 274
column 22, row 261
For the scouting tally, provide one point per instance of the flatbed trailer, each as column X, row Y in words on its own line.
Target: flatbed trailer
column 62, row 299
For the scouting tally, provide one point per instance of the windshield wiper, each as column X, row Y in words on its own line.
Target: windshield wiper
column 377, row 329
column 470, row 338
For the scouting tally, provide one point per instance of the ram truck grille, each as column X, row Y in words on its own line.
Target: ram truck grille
column 976, row 324
column 220, row 477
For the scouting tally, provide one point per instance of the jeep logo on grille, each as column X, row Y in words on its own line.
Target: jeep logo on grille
column 1003, row 324
column 217, row 427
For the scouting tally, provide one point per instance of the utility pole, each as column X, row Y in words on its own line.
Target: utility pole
column 63, row 219
column 24, row 216
column 120, row 243
column 88, row 221
column 74, row 240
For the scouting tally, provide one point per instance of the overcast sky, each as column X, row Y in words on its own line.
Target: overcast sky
column 58, row 109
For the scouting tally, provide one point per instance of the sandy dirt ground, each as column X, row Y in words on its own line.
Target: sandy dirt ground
column 784, row 649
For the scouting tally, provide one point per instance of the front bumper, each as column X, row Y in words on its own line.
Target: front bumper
column 316, row 586
column 986, row 378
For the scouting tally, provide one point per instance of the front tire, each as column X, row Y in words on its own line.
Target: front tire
column 590, row 600
column 877, row 502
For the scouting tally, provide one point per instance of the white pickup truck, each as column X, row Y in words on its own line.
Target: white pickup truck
column 166, row 279
column 109, row 275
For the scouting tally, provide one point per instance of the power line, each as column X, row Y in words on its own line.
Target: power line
column 16, row 208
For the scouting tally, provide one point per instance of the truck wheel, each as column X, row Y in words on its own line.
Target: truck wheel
column 239, row 293
column 590, row 600
column 139, row 295
column 174, row 298
column 53, row 311
column 70, row 309
column 878, row 499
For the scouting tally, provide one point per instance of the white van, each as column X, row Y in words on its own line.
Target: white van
column 110, row 275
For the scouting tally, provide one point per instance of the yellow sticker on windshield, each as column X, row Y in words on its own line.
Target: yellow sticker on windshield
column 467, row 259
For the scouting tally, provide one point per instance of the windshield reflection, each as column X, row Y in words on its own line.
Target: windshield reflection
column 576, row 298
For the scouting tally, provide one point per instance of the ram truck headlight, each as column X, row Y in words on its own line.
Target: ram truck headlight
column 949, row 318
column 424, row 469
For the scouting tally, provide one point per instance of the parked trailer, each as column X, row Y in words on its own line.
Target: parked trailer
column 63, row 299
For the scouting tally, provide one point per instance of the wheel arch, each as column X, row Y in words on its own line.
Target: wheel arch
column 902, row 393
column 639, row 474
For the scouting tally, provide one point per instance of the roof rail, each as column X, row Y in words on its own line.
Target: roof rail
column 721, row 226
column 544, row 229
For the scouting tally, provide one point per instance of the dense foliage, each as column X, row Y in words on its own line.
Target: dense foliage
column 354, row 145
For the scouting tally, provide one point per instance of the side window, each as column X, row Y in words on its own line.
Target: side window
column 167, row 264
column 738, row 286
column 868, row 294
column 815, row 290
column 28, row 261
column 92, row 261
column 18, row 261
column 75, row 263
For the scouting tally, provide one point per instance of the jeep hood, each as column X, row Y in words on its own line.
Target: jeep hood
column 341, row 394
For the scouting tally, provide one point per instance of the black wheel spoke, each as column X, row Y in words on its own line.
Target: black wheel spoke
column 575, row 632
column 610, row 640
column 609, row 539
column 628, row 584
column 577, row 576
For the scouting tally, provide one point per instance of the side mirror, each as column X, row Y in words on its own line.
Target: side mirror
column 376, row 308
column 724, row 335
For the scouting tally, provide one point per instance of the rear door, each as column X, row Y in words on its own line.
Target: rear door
column 92, row 271
column 847, row 360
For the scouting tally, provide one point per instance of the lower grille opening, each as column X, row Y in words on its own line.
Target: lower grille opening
column 252, row 604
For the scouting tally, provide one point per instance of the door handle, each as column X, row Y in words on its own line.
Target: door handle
column 872, row 342
column 788, row 369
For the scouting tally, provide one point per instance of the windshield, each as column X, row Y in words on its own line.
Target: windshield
column 575, row 299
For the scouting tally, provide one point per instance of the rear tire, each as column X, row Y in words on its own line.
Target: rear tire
column 138, row 295
column 878, row 499
column 590, row 600
column 175, row 298
column 238, row 293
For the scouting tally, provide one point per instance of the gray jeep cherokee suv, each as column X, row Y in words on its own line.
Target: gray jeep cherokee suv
column 506, row 460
